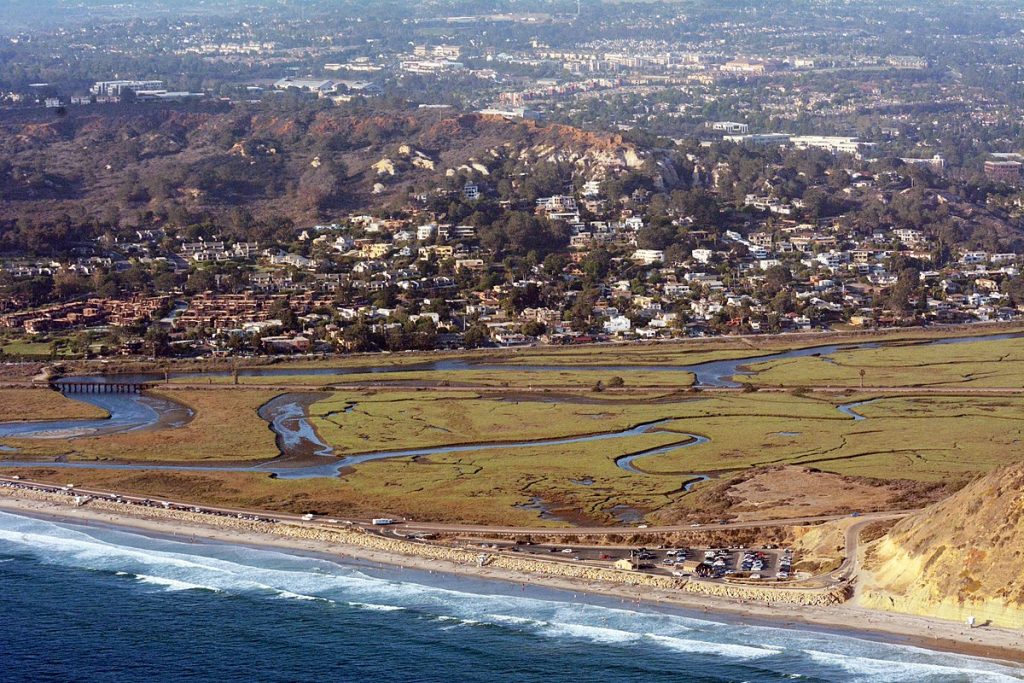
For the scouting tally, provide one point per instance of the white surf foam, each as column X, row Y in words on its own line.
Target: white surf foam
column 369, row 606
column 173, row 584
column 595, row 634
column 513, row 620
column 730, row 650
column 240, row 570
column 300, row 596
column 86, row 547
column 862, row 668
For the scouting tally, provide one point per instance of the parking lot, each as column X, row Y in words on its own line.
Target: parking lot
column 766, row 563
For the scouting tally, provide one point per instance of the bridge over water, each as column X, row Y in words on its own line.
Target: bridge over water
column 101, row 387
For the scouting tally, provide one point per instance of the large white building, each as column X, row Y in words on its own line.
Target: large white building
column 830, row 143
column 730, row 127
column 116, row 88
column 445, row 52
column 648, row 256
column 317, row 85
column 431, row 66
column 759, row 139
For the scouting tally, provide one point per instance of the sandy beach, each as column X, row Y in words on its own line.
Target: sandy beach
column 991, row 643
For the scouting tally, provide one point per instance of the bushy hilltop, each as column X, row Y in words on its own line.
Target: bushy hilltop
column 959, row 558
column 298, row 164
column 257, row 171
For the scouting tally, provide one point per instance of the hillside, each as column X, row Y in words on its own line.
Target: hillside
column 122, row 165
column 958, row 558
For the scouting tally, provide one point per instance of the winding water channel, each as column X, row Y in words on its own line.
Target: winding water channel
column 297, row 439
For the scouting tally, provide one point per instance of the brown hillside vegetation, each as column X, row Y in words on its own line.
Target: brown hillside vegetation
column 958, row 558
column 140, row 164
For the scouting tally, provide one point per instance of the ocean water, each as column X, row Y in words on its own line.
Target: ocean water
column 83, row 603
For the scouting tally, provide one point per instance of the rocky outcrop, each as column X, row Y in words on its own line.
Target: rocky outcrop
column 384, row 167
column 810, row 597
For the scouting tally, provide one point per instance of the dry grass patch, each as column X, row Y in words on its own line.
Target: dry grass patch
column 25, row 405
column 225, row 427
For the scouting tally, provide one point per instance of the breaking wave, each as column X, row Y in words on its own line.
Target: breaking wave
column 431, row 605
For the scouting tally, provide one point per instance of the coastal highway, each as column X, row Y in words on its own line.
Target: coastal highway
column 411, row 526
column 634, row 530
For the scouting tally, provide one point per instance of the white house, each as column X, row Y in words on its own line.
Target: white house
column 649, row 256
column 701, row 255
column 618, row 325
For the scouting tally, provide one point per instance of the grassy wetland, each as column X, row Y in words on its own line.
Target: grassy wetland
column 803, row 437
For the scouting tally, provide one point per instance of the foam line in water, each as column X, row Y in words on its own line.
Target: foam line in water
column 710, row 648
column 173, row 584
column 862, row 668
column 374, row 607
column 267, row 575
column 300, row 596
column 596, row 634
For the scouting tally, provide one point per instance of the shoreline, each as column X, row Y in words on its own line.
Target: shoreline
column 1001, row 645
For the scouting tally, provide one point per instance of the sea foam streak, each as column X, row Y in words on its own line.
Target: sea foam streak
column 262, row 574
column 172, row 584
column 723, row 649
column 866, row 669
column 375, row 608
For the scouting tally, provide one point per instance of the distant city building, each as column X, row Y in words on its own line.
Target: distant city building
column 730, row 127
column 745, row 67
column 317, row 85
column 907, row 62
column 760, row 139
column 431, row 66
column 1003, row 171
column 446, row 52
column 512, row 113
column 117, row 88
column 830, row 143
column 937, row 163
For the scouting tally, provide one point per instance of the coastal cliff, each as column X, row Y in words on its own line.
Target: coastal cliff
column 956, row 559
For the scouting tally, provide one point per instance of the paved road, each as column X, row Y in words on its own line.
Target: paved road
column 634, row 530
column 588, row 553
column 848, row 569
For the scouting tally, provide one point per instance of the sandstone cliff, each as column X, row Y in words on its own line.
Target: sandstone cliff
column 959, row 558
